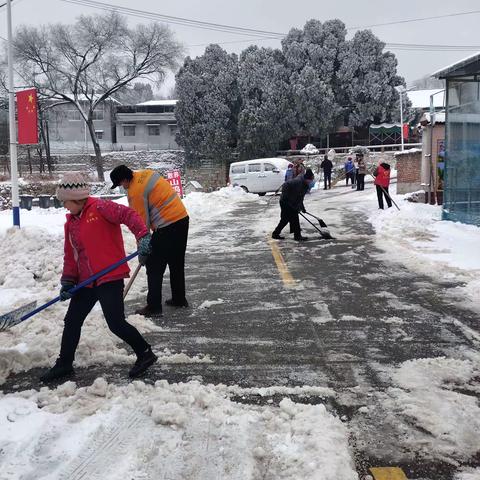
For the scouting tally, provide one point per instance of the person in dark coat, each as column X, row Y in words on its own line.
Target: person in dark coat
column 291, row 202
column 327, row 167
column 382, row 182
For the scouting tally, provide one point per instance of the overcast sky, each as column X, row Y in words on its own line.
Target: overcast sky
column 281, row 15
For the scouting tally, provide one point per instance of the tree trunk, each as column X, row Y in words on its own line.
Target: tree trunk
column 98, row 152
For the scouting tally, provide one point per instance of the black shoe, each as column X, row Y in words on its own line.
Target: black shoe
column 301, row 239
column 148, row 311
column 171, row 303
column 144, row 361
column 59, row 370
column 277, row 236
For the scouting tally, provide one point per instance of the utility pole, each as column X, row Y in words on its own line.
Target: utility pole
column 401, row 89
column 12, row 121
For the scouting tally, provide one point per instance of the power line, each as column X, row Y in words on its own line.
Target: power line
column 422, row 19
column 235, row 29
column 175, row 20
column 267, row 35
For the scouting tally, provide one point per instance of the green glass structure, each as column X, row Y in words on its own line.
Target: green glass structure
column 461, row 201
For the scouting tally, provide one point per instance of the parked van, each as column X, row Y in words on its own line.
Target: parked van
column 260, row 176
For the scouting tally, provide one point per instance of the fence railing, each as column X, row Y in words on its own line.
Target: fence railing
column 372, row 148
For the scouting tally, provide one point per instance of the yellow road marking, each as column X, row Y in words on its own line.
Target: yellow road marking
column 287, row 278
column 388, row 473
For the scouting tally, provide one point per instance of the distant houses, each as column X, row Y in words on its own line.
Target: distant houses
column 149, row 125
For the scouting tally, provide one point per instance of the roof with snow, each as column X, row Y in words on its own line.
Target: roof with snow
column 157, row 102
column 421, row 98
column 467, row 66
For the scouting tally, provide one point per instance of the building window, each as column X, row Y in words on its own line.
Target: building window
column 74, row 116
column 98, row 114
column 129, row 130
column 153, row 130
column 99, row 134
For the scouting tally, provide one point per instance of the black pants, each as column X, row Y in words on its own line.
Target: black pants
column 381, row 192
column 110, row 296
column 288, row 215
column 361, row 181
column 168, row 248
column 350, row 176
column 327, row 176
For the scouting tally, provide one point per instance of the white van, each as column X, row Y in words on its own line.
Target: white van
column 260, row 175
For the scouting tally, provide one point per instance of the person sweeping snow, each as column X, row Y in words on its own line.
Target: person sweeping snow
column 93, row 241
column 291, row 202
column 155, row 200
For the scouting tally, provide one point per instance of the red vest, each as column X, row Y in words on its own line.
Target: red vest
column 92, row 243
column 383, row 177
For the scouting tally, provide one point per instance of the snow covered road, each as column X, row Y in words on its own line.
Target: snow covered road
column 252, row 365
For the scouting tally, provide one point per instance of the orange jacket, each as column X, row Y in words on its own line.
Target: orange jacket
column 154, row 199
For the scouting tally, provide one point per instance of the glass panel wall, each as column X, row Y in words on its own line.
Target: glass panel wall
column 462, row 165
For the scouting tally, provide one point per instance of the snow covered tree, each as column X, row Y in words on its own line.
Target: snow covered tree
column 268, row 110
column 86, row 63
column 208, row 104
column 367, row 77
column 317, row 109
column 313, row 57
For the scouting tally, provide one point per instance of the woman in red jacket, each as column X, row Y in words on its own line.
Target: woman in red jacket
column 93, row 241
column 382, row 182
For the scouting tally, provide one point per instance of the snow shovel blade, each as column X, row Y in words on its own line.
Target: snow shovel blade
column 325, row 233
column 10, row 319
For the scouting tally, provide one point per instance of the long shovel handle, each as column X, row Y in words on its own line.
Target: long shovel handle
column 322, row 223
column 86, row 282
column 311, row 223
column 132, row 279
column 391, row 199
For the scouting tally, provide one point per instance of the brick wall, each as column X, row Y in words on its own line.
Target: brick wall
column 211, row 177
column 409, row 165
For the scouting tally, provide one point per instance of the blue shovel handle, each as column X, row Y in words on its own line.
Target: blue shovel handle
column 86, row 282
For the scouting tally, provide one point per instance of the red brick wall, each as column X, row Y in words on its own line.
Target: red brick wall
column 409, row 167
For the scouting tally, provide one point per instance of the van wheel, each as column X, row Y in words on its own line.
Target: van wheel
column 261, row 194
column 245, row 189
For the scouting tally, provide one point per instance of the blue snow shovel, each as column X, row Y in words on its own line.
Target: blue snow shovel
column 21, row 314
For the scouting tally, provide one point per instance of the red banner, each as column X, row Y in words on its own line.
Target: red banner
column 406, row 130
column 27, row 117
column 175, row 181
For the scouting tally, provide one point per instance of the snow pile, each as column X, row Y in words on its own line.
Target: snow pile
column 417, row 237
column 202, row 205
column 431, row 389
column 177, row 431
column 210, row 303
column 469, row 474
column 309, row 149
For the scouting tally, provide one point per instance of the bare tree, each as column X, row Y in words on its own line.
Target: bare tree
column 86, row 63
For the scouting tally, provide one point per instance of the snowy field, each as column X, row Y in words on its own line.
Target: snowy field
column 194, row 431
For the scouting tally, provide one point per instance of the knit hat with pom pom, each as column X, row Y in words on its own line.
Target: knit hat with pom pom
column 72, row 186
